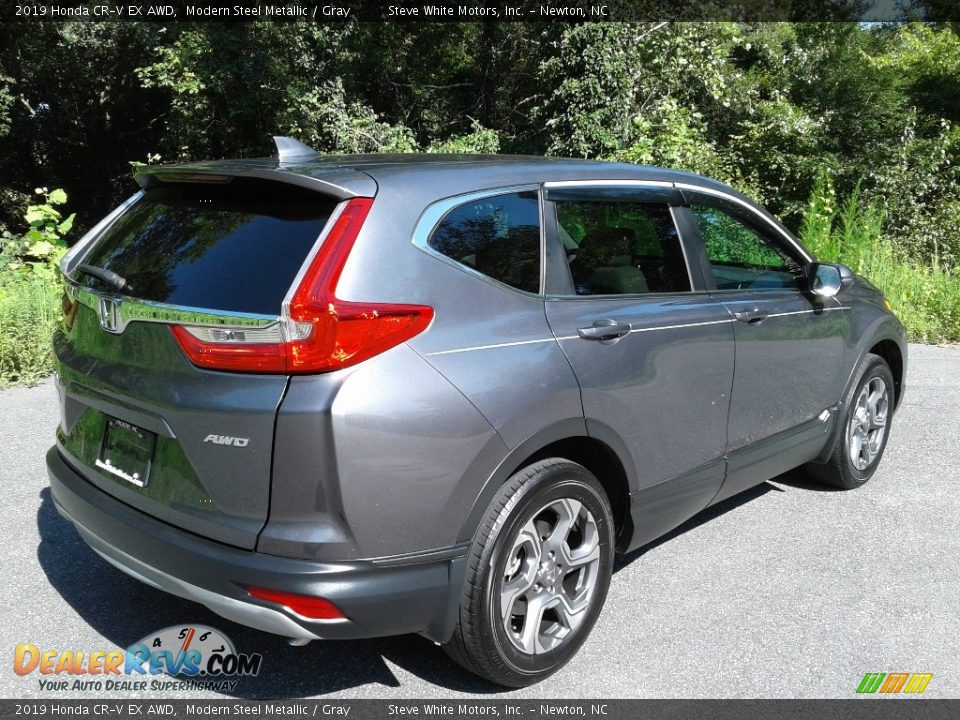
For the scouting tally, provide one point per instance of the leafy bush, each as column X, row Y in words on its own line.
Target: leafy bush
column 924, row 294
column 479, row 140
column 30, row 290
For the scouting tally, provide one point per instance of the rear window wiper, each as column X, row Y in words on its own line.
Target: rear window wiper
column 108, row 276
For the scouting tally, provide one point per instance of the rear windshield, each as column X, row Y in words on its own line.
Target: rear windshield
column 235, row 247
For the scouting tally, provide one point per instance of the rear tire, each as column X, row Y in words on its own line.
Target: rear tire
column 537, row 575
column 864, row 426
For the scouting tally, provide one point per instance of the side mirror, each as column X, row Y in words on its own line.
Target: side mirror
column 829, row 279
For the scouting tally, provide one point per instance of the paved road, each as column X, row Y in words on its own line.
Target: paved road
column 787, row 591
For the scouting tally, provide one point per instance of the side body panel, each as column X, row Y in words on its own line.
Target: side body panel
column 379, row 460
column 789, row 365
column 662, row 389
column 790, row 344
column 490, row 341
column 391, row 456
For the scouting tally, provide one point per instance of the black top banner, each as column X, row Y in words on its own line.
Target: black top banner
column 478, row 11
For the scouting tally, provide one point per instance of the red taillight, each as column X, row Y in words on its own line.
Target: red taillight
column 319, row 331
column 316, row 608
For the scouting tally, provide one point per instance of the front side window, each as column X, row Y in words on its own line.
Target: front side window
column 621, row 248
column 743, row 257
column 497, row 236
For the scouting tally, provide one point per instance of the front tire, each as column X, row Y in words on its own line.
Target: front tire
column 537, row 575
column 864, row 428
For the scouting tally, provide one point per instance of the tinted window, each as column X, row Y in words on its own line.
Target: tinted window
column 498, row 236
column 617, row 248
column 743, row 257
column 234, row 247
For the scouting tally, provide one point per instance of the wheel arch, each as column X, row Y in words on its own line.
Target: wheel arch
column 597, row 450
column 888, row 344
column 890, row 351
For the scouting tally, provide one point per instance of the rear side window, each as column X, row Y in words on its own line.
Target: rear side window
column 498, row 236
column 233, row 247
column 622, row 248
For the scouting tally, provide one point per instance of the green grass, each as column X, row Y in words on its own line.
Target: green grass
column 924, row 295
column 925, row 298
column 29, row 311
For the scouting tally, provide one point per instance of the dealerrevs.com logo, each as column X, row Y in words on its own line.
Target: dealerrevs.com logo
column 196, row 656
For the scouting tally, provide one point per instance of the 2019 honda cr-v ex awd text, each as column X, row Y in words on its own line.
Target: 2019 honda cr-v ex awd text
column 345, row 397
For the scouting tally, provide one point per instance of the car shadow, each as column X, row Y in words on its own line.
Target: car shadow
column 794, row 478
column 124, row 611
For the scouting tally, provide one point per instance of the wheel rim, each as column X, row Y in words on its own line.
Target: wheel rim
column 550, row 577
column 868, row 423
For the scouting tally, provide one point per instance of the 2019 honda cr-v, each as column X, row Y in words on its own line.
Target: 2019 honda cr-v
column 342, row 397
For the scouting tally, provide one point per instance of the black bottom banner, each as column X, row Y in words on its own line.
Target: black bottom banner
column 854, row 709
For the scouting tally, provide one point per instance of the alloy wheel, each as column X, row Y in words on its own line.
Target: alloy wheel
column 550, row 576
column 868, row 423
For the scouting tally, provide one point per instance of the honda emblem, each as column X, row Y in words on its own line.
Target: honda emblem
column 110, row 315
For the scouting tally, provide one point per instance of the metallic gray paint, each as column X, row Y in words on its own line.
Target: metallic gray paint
column 142, row 377
column 394, row 461
column 418, row 595
column 665, row 387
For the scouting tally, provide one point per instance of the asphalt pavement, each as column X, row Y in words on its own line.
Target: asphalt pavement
column 790, row 590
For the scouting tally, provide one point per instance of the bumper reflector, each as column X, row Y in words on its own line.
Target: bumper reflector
column 315, row 608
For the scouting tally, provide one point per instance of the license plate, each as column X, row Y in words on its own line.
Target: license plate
column 126, row 452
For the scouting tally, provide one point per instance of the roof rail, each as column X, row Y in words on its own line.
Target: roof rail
column 290, row 150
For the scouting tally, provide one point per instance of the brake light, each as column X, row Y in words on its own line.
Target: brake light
column 317, row 332
column 316, row 608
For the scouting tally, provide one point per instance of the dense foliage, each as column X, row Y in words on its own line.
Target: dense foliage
column 30, row 288
column 868, row 111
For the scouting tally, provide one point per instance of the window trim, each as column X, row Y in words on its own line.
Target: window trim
column 436, row 212
column 751, row 209
column 568, row 292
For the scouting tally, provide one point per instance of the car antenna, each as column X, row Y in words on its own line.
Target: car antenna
column 290, row 150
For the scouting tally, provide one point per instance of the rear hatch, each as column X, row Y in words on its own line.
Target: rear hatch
column 187, row 445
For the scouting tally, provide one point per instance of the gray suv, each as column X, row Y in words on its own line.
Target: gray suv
column 345, row 397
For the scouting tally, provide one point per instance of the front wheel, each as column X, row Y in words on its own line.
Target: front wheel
column 865, row 427
column 537, row 575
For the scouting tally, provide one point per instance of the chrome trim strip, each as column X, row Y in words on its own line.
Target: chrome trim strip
column 753, row 211
column 574, row 337
column 135, row 310
column 682, row 325
column 635, row 330
column 811, row 311
column 435, row 212
column 494, row 347
column 607, row 183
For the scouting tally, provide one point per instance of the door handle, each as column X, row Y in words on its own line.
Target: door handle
column 751, row 316
column 605, row 329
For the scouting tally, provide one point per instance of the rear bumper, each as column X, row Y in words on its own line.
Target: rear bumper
column 384, row 596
